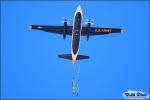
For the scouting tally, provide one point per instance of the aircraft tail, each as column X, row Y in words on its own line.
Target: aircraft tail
column 69, row 56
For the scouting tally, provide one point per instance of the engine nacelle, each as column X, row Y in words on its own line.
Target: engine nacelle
column 88, row 30
column 65, row 30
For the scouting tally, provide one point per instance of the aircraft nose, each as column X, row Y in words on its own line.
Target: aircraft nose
column 79, row 8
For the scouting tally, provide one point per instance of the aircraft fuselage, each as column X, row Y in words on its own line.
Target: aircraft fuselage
column 76, row 33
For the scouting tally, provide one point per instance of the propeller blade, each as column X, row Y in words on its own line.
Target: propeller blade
column 68, row 22
column 62, row 21
column 87, row 18
column 63, row 18
column 86, row 22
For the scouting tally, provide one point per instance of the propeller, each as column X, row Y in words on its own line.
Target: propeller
column 65, row 20
column 88, row 20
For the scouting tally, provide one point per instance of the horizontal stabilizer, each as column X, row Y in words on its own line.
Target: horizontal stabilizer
column 79, row 57
column 65, row 56
column 69, row 56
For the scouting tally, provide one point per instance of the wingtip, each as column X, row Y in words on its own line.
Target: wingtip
column 122, row 30
column 30, row 27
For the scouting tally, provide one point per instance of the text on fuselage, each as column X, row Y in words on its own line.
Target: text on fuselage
column 97, row 30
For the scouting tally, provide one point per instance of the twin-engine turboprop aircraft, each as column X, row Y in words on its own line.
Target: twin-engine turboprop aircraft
column 76, row 31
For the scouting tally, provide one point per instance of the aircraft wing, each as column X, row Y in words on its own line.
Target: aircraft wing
column 99, row 31
column 85, row 31
column 52, row 29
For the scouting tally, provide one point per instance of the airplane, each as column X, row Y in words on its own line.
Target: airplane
column 77, row 30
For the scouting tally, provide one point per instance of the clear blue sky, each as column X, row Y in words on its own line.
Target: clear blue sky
column 118, row 62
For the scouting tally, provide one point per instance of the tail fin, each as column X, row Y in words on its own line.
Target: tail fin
column 69, row 56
